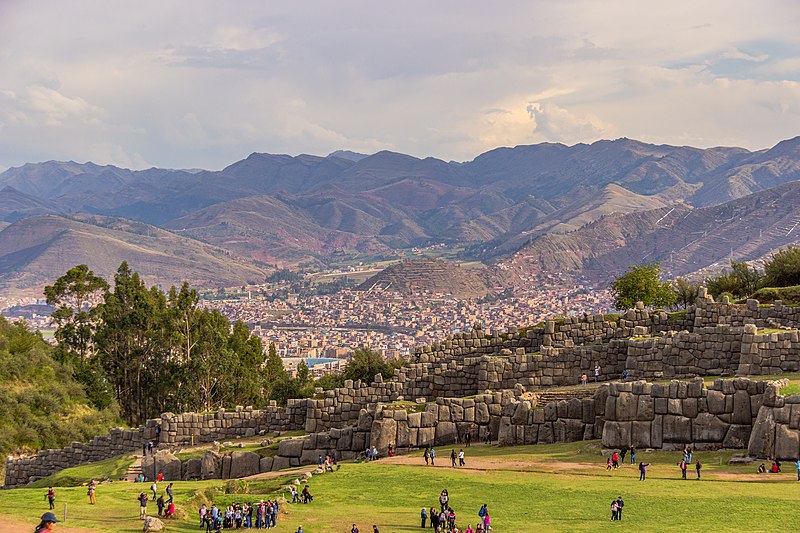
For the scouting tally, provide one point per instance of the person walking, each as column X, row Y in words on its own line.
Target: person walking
column 623, row 452
column 90, row 492
column 160, row 504
column 684, row 467
column 584, row 379
column 597, row 373
column 51, row 497
column 154, row 488
column 797, row 466
column 142, row 505
column 427, row 455
column 643, row 471
column 453, row 458
column 423, row 516
column 633, row 455
column 433, row 456
column 698, row 466
column 47, row 523
column 468, row 438
column 620, row 505
column 169, row 493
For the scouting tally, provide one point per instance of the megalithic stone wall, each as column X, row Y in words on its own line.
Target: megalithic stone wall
column 776, row 430
column 676, row 414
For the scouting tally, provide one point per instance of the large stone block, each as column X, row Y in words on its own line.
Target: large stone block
column 244, row 464
column 626, row 406
column 787, row 443
column 192, row 469
column 677, row 429
column 762, row 437
column 708, row 428
column 641, row 433
column 211, row 465
column 445, row 433
column 716, row 402
column 737, row 437
column 291, row 447
column 741, row 408
column 616, row 434
column 384, row 433
column 265, row 464
column 645, row 409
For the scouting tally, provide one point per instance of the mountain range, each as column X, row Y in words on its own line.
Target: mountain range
column 528, row 209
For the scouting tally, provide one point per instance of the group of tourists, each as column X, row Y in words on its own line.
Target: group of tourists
column 617, row 458
column 430, row 456
column 371, row 454
column 443, row 520
column 262, row 515
column 166, row 506
column 687, row 461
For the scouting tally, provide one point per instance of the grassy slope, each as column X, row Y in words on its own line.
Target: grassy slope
column 553, row 487
column 113, row 468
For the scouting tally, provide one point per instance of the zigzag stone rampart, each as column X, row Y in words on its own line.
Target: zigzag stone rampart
column 482, row 382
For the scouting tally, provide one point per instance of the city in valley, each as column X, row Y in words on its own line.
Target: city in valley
column 325, row 329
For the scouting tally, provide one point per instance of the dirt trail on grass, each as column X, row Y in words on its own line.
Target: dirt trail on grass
column 491, row 463
column 13, row 525
column 280, row 473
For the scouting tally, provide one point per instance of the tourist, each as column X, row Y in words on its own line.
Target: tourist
column 482, row 511
column 614, row 510
column 150, row 447
column 423, row 515
column 609, row 465
column 306, row 495
column 160, row 477
column 452, row 458
column 487, row 522
column 375, row 529
column 687, row 455
column 620, row 505
column 633, row 455
column 170, row 512
column 427, row 455
column 354, row 529
column 468, row 438
column 683, row 466
column 367, row 454
column 169, row 493
column 796, row 465
column 698, row 466
column 584, row 379
column 320, row 460
column 469, row 529
column 390, row 452
column 461, row 458
column 374, row 456
column 142, row 505
column 597, row 373
column 90, row 492
column 615, row 459
column 203, row 512
column 488, row 436
column 444, row 498
column 300, row 530
column 160, row 504
column 643, row 471
column 144, row 449
column 154, row 489
column 434, row 519
column 47, row 523
column 775, row 468
column 51, row 497
column 433, row 456
column 295, row 496
column 622, row 454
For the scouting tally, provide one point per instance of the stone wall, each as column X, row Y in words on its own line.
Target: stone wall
column 175, row 430
column 680, row 413
column 776, row 430
column 769, row 353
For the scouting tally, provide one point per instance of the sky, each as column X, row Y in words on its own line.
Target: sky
column 201, row 84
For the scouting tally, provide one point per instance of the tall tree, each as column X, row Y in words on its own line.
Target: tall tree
column 183, row 303
column 365, row 364
column 273, row 373
column 642, row 283
column 73, row 295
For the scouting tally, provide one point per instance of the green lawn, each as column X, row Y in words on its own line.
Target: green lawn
column 561, row 487
column 113, row 469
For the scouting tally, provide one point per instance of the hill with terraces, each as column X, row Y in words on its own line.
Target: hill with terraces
column 432, row 276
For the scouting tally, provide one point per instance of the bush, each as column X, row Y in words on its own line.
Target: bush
column 788, row 295
column 783, row 269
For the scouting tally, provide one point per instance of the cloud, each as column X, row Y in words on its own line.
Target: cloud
column 554, row 123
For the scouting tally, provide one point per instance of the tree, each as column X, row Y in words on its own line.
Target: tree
column 741, row 281
column 273, row 373
column 642, row 284
column 365, row 365
column 783, row 268
column 303, row 375
column 72, row 294
column 685, row 292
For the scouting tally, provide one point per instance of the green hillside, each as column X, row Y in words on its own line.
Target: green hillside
column 41, row 405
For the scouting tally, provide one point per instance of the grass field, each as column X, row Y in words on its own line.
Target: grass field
column 528, row 488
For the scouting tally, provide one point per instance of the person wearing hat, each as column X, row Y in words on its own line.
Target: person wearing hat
column 47, row 524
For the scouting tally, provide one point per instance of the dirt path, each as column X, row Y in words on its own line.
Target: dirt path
column 14, row 525
column 478, row 464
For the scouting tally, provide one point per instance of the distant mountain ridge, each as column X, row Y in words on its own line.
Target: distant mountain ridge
column 305, row 210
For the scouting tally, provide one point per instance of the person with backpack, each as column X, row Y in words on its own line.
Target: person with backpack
column 482, row 511
column 169, row 493
column 142, row 505
column 643, row 471
column 51, row 497
column 424, row 517
column 620, row 505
